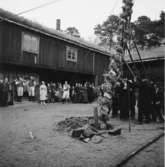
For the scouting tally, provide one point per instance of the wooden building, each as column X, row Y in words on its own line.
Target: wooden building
column 153, row 61
column 30, row 49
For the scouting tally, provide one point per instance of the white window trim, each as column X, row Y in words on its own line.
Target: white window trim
column 72, row 49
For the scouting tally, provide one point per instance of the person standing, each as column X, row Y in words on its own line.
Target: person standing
column 158, row 103
column 85, row 95
column 90, row 93
column 124, row 108
column 152, row 94
column 53, row 91
column 72, row 94
column 11, row 94
column 5, row 92
column 31, row 89
column 77, row 93
column 19, row 85
column 49, row 93
column 115, row 101
column 66, row 95
column 1, row 92
column 132, row 98
column 43, row 93
column 144, row 102
column 59, row 92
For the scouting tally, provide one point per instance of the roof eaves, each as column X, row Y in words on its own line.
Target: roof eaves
column 146, row 60
column 58, row 36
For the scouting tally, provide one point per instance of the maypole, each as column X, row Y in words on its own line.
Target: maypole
column 115, row 68
column 125, row 40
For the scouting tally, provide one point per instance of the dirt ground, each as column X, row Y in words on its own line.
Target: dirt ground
column 51, row 148
column 152, row 156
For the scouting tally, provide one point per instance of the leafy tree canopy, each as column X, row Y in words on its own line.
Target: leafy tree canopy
column 73, row 31
column 147, row 32
column 107, row 30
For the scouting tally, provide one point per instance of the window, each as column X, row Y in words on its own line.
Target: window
column 30, row 43
column 71, row 54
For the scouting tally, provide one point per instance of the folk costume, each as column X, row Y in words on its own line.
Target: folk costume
column 43, row 93
column 66, row 92
column 19, row 87
column 31, row 91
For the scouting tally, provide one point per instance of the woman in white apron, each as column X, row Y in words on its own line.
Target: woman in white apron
column 66, row 95
column 43, row 93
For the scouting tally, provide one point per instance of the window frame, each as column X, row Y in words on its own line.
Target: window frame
column 71, row 54
column 32, row 36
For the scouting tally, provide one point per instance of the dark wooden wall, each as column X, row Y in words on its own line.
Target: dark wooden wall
column 11, row 43
column 52, row 52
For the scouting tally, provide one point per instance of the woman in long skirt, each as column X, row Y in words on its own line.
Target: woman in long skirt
column 43, row 93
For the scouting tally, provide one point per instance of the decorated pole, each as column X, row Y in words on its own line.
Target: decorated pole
column 126, row 37
column 114, row 73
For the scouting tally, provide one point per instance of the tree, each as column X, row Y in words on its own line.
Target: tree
column 107, row 30
column 114, row 71
column 73, row 31
column 143, row 20
column 141, row 29
column 158, row 25
column 162, row 16
column 148, row 33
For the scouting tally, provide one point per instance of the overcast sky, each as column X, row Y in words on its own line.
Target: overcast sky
column 83, row 14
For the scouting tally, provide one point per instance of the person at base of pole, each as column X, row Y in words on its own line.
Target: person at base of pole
column 66, row 89
column 115, row 101
column 132, row 99
column 104, row 107
column 101, row 91
column 124, row 112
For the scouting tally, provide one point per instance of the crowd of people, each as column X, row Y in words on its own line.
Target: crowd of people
column 65, row 93
column 44, row 92
column 144, row 94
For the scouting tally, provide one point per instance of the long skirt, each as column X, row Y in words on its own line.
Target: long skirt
column 19, row 91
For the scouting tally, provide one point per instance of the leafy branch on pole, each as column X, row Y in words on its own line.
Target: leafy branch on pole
column 114, row 72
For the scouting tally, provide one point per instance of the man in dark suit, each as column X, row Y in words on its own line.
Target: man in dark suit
column 144, row 102
column 158, row 103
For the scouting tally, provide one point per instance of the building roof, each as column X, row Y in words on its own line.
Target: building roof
column 21, row 21
column 150, row 54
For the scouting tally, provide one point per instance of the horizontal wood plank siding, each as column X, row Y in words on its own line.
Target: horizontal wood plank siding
column 52, row 52
column 1, row 45
column 101, row 64
column 11, row 43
